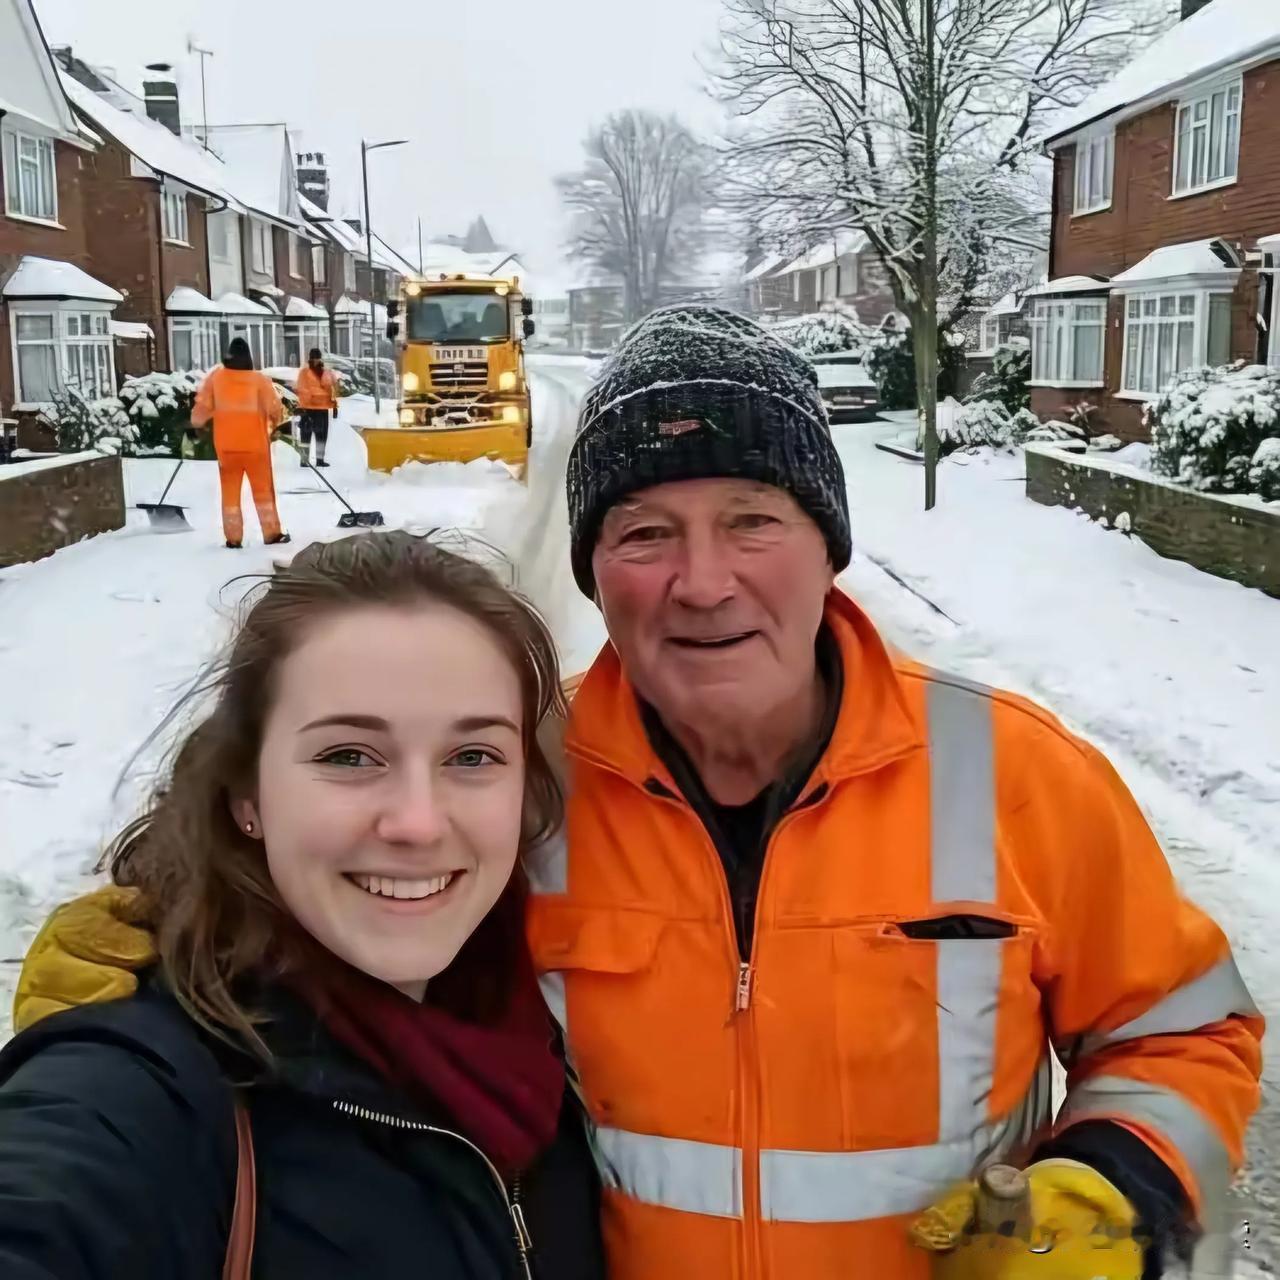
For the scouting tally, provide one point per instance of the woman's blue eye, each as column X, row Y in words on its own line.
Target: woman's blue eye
column 346, row 758
column 473, row 758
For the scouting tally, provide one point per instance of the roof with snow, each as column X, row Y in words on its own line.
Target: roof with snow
column 131, row 330
column 1224, row 34
column 259, row 159
column 1068, row 284
column 826, row 253
column 161, row 151
column 186, row 301
column 30, row 89
column 763, row 268
column 236, row 304
column 49, row 278
column 1009, row 305
column 1196, row 261
column 301, row 309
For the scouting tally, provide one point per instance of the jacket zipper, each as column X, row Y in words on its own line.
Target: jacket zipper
column 524, row 1241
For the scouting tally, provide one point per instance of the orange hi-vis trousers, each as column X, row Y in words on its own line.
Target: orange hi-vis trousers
column 232, row 469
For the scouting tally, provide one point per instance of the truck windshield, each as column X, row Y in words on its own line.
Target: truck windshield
column 457, row 317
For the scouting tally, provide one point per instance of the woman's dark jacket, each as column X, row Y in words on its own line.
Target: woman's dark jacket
column 118, row 1159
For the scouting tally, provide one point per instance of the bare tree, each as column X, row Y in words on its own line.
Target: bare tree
column 636, row 205
column 914, row 121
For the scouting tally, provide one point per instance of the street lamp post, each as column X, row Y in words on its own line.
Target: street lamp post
column 365, row 148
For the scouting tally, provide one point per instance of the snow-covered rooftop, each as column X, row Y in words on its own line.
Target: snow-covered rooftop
column 131, row 330
column 1009, row 305
column 301, row 309
column 258, row 159
column 187, row 301
column 1069, row 284
column 826, row 253
column 236, row 304
column 1225, row 33
column 1194, row 260
column 763, row 268
column 153, row 144
column 50, row 278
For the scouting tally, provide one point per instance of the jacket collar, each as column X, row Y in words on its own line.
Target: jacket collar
column 874, row 726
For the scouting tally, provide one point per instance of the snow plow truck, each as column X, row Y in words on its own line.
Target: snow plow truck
column 463, row 392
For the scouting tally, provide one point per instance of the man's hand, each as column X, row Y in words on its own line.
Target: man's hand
column 88, row 950
column 1078, row 1226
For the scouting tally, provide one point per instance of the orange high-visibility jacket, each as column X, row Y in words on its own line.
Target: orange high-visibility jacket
column 244, row 406
column 787, row 1119
column 316, row 391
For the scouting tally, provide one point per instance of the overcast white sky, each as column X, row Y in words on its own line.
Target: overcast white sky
column 495, row 95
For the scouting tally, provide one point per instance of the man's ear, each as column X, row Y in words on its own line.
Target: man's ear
column 245, row 815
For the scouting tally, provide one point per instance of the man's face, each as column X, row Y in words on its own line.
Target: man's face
column 712, row 592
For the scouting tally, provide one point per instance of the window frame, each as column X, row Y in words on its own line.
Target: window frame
column 319, row 265
column 206, row 337
column 97, row 345
column 1204, row 96
column 295, row 256
column 11, row 141
column 263, row 247
column 175, row 217
column 1039, row 334
column 1198, row 318
column 349, row 278
column 1086, row 145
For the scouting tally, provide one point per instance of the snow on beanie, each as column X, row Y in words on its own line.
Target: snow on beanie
column 695, row 392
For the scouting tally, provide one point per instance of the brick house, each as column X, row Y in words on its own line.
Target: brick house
column 56, row 318
column 1166, row 219
column 845, row 271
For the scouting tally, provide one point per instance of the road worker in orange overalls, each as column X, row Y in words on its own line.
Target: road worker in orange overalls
column 317, row 390
column 245, row 410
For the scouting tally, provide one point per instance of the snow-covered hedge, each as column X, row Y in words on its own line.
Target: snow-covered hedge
column 159, row 405
column 81, row 424
column 1211, row 427
column 982, row 424
column 1264, row 474
column 1009, row 379
column 822, row 333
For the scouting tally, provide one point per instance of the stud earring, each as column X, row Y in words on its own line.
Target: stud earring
column 248, row 828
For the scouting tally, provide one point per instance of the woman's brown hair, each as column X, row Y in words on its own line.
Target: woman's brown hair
column 218, row 920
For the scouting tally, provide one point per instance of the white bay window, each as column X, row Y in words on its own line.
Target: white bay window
column 194, row 342
column 1207, row 139
column 62, row 345
column 1095, row 167
column 1169, row 333
column 1067, row 341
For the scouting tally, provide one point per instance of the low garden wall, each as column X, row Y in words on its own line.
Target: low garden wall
column 48, row 503
column 1228, row 536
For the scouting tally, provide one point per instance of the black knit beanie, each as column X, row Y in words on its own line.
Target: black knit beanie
column 695, row 392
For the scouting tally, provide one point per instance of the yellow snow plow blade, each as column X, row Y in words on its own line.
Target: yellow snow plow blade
column 392, row 447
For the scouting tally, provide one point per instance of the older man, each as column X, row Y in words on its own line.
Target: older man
column 823, row 916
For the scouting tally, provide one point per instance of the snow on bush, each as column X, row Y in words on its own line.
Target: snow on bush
column 1009, row 379
column 1054, row 432
column 1208, row 427
column 822, row 333
column 982, row 424
column 1264, row 474
column 81, row 424
column 159, row 404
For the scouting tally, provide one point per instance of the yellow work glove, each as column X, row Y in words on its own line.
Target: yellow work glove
column 88, row 950
column 1078, row 1227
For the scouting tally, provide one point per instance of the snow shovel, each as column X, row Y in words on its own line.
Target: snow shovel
column 350, row 518
column 167, row 516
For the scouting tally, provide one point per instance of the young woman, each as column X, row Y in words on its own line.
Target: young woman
column 331, row 872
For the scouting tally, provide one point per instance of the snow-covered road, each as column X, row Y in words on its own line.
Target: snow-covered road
column 1175, row 674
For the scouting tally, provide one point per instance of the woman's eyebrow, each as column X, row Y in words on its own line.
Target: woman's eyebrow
column 473, row 724
column 350, row 720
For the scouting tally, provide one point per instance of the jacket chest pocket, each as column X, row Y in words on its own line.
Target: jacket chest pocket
column 923, row 1013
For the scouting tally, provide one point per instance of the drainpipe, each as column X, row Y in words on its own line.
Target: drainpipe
column 164, row 293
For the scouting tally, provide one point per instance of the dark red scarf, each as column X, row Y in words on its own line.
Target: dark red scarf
column 499, row 1080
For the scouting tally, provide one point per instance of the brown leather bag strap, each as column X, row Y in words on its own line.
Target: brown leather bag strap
column 244, row 1214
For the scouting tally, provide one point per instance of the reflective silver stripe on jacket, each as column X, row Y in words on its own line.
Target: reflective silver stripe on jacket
column 1166, row 1111
column 1215, row 995
column 695, row 1177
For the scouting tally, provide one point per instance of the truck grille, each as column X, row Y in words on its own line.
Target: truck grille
column 471, row 374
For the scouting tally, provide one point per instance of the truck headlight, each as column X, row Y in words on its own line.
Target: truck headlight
column 507, row 381
column 406, row 417
column 410, row 382
column 511, row 413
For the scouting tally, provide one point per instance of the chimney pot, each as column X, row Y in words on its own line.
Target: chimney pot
column 160, row 92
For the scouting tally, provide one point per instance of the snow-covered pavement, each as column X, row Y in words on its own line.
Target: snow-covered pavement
column 1175, row 674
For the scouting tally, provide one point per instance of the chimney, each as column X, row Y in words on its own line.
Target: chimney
column 313, row 178
column 1190, row 7
column 161, row 94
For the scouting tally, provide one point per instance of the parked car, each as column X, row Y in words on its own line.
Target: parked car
column 847, row 389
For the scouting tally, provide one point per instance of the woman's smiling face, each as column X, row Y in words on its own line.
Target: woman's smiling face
column 390, row 786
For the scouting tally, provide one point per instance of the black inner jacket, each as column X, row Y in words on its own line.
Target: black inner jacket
column 741, row 836
column 118, row 1158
